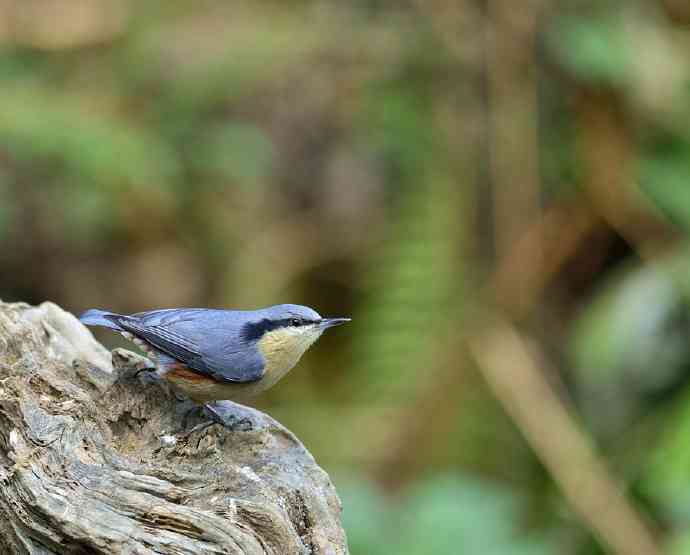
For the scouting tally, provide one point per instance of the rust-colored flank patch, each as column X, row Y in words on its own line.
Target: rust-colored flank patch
column 183, row 373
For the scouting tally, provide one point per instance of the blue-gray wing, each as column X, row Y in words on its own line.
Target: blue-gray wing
column 205, row 340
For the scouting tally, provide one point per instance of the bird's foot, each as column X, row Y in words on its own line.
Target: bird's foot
column 183, row 437
column 229, row 422
column 189, row 410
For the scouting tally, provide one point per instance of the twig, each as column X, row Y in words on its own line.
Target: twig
column 516, row 378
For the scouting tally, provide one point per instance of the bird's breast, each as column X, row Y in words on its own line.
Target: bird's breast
column 281, row 350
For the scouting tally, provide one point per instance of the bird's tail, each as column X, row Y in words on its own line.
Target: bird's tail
column 97, row 317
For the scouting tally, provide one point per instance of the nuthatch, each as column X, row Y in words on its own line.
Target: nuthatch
column 212, row 355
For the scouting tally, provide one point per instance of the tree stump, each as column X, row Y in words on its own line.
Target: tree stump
column 89, row 461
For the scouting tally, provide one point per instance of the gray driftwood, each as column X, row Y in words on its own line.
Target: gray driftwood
column 89, row 462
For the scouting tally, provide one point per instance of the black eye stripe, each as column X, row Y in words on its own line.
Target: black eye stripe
column 253, row 331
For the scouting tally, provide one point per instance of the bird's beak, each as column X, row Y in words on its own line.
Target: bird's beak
column 326, row 323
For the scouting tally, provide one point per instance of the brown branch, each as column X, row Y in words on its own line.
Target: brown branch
column 512, row 98
column 517, row 379
column 607, row 151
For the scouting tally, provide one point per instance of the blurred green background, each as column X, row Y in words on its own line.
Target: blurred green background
column 497, row 192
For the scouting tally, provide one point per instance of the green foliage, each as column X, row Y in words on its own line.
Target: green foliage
column 596, row 50
column 664, row 178
column 233, row 153
column 629, row 343
column 89, row 149
column 411, row 291
column 414, row 278
column 667, row 479
column 398, row 132
column 679, row 545
column 446, row 514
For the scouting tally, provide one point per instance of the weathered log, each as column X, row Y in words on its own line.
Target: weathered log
column 89, row 462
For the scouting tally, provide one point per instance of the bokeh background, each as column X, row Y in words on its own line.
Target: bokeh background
column 497, row 192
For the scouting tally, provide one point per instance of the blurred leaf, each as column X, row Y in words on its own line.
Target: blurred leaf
column 366, row 517
column 667, row 479
column 397, row 128
column 88, row 214
column 446, row 514
column 93, row 149
column 665, row 177
column 413, row 281
column 219, row 54
column 17, row 63
column 596, row 50
column 631, row 340
column 679, row 545
column 234, row 152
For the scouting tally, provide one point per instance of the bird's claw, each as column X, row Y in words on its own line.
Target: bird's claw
column 183, row 437
column 230, row 423
column 242, row 425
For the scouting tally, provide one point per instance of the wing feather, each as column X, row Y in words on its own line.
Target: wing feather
column 207, row 354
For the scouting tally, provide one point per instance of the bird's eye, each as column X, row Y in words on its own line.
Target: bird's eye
column 295, row 322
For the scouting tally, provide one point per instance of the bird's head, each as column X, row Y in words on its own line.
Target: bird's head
column 284, row 332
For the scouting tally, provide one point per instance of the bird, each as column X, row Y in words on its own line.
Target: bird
column 214, row 354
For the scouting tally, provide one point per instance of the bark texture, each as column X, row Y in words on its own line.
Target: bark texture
column 89, row 461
